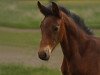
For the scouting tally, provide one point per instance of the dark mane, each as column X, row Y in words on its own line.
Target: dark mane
column 78, row 20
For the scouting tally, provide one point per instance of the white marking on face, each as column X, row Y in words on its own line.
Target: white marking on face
column 48, row 48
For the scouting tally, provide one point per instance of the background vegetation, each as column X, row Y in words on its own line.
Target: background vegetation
column 22, row 70
column 25, row 14
column 20, row 35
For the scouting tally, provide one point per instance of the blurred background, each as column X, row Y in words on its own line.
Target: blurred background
column 20, row 35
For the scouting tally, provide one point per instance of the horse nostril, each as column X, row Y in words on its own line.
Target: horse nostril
column 43, row 55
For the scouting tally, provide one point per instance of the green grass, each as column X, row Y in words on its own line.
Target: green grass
column 19, row 14
column 25, row 14
column 97, row 32
column 9, row 69
column 88, row 10
column 19, row 39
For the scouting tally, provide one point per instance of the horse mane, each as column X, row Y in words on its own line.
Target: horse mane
column 78, row 20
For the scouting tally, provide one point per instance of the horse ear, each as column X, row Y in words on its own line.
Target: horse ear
column 55, row 9
column 45, row 11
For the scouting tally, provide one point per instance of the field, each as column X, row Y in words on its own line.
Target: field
column 20, row 36
column 18, row 50
column 22, row 70
column 18, row 53
column 25, row 14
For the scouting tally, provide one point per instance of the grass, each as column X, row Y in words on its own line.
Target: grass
column 88, row 10
column 23, row 38
column 24, row 14
column 19, row 39
column 19, row 14
column 13, row 69
column 97, row 32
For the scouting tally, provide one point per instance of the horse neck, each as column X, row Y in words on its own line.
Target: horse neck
column 73, row 39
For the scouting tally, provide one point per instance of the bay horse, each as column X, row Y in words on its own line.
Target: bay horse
column 81, row 50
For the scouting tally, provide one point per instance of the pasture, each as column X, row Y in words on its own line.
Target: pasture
column 25, row 14
column 18, row 53
column 22, row 70
column 20, row 36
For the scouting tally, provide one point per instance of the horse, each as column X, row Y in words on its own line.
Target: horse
column 81, row 49
column 76, row 18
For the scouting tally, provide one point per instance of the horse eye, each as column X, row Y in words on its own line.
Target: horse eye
column 56, row 28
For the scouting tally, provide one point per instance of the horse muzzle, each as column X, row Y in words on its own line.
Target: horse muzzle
column 44, row 54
